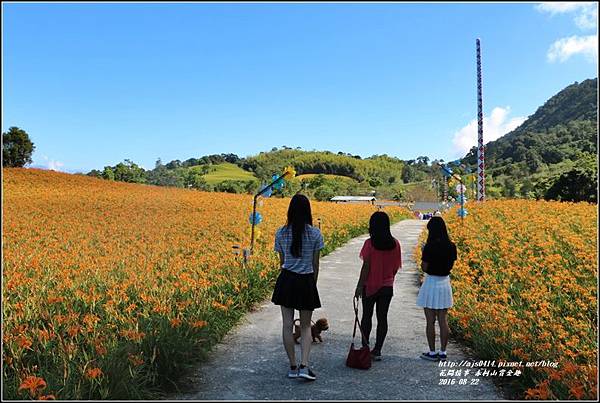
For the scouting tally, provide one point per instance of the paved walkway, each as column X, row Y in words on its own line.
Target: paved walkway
column 251, row 364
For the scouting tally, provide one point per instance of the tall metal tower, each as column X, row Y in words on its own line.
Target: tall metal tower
column 480, row 154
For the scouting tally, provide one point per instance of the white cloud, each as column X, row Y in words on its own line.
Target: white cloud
column 55, row 165
column 559, row 7
column 588, row 19
column 51, row 164
column 586, row 13
column 564, row 48
column 495, row 125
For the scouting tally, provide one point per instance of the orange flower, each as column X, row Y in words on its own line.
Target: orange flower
column 199, row 323
column 73, row 330
column 569, row 368
column 100, row 349
column 136, row 360
column 90, row 320
column 540, row 392
column 94, row 373
column 218, row 305
column 33, row 384
column 23, row 342
column 132, row 335
column 55, row 300
column 45, row 335
column 577, row 392
column 175, row 322
column 555, row 375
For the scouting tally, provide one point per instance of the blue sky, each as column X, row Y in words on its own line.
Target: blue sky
column 94, row 84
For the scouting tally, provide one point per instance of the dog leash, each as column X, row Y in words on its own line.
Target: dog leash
column 298, row 320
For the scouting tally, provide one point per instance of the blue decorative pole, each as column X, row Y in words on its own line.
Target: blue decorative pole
column 448, row 173
column 278, row 184
column 253, row 217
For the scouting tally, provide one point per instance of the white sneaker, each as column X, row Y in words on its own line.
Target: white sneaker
column 306, row 373
column 293, row 373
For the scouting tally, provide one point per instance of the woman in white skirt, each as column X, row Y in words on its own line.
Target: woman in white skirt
column 435, row 295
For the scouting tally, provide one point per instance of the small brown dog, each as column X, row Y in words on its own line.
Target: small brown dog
column 315, row 330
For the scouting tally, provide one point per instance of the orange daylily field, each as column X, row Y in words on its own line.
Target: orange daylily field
column 113, row 290
column 525, row 289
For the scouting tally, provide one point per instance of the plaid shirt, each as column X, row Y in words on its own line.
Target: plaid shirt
column 312, row 241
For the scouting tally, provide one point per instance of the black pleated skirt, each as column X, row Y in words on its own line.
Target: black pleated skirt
column 296, row 291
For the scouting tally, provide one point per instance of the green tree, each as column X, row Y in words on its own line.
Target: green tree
column 424, row 160
column 95, row 173
column 230, row 186
column 576, row 185
column 324, row 193
column 129, row 172
column 509, row 189
column 533, row 161
column 17, row 148
column 194, row 180
column 375, row 182
column 408, row 174
column 108, row 174
column 173, row 164
column 398, row 194
column 317, row 181
column 251, row 187
column 527, row 189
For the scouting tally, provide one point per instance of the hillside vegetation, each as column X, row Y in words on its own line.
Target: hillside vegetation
column 321, row 174
column 558, row 140
column 228, row 171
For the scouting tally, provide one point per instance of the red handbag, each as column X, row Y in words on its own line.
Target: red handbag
column 358, row 358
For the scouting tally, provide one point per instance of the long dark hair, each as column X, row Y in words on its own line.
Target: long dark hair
column 379, row 229
column 437, row 231
column 298, row 216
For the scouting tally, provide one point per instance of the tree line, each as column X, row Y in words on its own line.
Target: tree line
column 383, row 175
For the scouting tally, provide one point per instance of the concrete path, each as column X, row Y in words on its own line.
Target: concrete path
column 251, row 364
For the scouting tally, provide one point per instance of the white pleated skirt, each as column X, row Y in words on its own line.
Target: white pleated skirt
column 435, row 292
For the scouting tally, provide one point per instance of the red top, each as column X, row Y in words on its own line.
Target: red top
column 384, row 265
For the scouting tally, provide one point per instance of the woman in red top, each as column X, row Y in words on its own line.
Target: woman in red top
column 381, row 260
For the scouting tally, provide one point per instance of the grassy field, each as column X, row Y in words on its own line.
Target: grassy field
column 228, row 171
column 328, row 176
column 114, row 290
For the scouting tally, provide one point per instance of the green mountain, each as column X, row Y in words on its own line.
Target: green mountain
column 321, row 174
column 324, row 174
column 558, row 138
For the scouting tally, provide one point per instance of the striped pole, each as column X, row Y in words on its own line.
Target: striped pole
column 480, row 154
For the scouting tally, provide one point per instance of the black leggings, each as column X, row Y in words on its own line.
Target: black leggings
column 381, row 302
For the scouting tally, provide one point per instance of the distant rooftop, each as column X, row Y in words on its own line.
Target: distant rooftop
column 353, row 198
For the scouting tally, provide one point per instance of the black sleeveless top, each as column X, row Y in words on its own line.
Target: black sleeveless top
column 440, row 257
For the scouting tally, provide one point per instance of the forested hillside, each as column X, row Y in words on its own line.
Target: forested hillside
column 558, row 139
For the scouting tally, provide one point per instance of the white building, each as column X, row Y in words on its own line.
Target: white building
column 353, row 199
